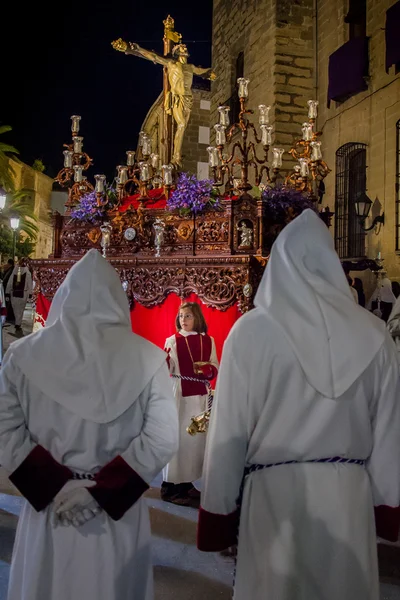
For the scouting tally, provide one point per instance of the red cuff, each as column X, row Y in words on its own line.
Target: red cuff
column 217, row 532
column 117, row 488
column 39, row 477
column 387, row 522
column 3, row 311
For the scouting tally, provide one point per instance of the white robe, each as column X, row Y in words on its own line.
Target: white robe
column 284, row 393
column 187, row 464
column 93, row 418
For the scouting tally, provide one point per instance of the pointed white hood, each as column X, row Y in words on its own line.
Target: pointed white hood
column 87, row 358
column 305, row 290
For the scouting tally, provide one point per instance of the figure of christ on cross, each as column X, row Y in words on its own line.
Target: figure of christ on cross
column 179, row 100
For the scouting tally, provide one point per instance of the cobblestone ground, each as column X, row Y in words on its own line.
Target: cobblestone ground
column 180, row 570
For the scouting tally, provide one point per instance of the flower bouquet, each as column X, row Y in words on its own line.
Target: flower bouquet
column 88, row 210
column 192, row 195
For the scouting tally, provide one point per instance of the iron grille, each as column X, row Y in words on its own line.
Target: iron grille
column 351, row 181
column 398, row 185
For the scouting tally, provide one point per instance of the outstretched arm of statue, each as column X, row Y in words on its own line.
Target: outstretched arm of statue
column 205, row 73
column 136, row 50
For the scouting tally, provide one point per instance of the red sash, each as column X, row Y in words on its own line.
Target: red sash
column 192, row 388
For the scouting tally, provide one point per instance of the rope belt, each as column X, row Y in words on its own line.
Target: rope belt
column 197, row 380
column 83, row 476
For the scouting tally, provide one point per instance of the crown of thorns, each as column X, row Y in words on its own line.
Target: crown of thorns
column 180, row 49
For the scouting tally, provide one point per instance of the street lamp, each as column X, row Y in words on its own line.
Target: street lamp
column 3, row 198
column 363, row 206
column 14, row 223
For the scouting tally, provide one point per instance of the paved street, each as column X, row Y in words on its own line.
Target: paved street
column 180, row 570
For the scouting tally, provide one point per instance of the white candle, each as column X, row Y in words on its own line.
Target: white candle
column 155, row 160
column 100, row 180
column 307, row 130
column 75, row 123
column 213, row 156
column 146, row 145
column 277, row 157
column 77, row 173
column 224, row 115
column 144, row 171
column 130, row 158
column 264, row 114
column 312, row 109
column 220, row 134
column 122, row 174
column 303, row 167
column 266, row 135
column 243, row 84
column 167, row 174
column 316, row 153
column 67, row 159
column 78, row 144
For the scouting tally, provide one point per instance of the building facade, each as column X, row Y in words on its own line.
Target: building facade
column 342, row 53
column 39, row 190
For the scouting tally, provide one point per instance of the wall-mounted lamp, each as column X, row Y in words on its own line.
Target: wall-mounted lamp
column 3, row 198
column 363, row 207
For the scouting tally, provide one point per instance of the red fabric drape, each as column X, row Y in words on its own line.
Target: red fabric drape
column 157, row 323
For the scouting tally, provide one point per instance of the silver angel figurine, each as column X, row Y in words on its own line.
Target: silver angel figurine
column 246, row 235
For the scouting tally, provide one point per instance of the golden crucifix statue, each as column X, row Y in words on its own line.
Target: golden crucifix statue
column 178, row 98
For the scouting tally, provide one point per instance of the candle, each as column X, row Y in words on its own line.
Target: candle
column 266, row 135
column 303, row 167
column 312, row 109
column 167, row 174
column 144, row 171
column 264, row 114
column 243, row 90
column 130, row 158
column 155, row 160
column 277, row 157
column 68, row 159
column 307, row 130
column 77, row 173
column 220, row 134
column 213, row 159
column 146, row 145
column 78, row 144
column 224, row 115
column 122, row 174
column 142, row 134
column 100, row 179
column 316, row 153
column 75, row 123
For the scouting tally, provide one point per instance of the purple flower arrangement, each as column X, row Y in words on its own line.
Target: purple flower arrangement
column 192, row 195
column 88, row 211
column 283, row 204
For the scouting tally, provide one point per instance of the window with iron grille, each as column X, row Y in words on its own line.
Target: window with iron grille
column 351, row 181
column 398, row 185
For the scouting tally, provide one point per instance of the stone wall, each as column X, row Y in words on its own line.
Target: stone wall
column 277, row 40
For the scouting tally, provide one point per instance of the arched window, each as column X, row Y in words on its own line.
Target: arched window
column 398, row 185
column 351, row 181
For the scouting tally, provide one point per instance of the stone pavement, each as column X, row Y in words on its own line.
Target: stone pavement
column 180, row 570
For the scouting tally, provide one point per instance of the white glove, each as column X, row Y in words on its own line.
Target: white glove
column 74, row 504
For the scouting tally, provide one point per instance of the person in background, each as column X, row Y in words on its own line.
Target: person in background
column 8, row 269
column 305, row 429
column 352, row 289
column 382, row 300
column 358, row 286
column 87, row 420
column 192, row 361
column 19, row 289
column 396, row 288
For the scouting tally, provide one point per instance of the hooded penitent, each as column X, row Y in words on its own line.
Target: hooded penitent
column 304, row 279
column 87, row 358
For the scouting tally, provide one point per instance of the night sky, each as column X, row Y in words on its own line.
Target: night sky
column 55, row 64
